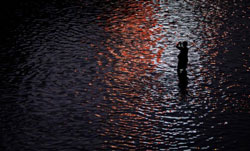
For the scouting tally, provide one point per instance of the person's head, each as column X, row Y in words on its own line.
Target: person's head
column 185, row 44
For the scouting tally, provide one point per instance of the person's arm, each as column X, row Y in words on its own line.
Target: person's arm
column 178, row 45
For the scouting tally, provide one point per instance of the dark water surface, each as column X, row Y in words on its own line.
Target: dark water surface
column 101, row 75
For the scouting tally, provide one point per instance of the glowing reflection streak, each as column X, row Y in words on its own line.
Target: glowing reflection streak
column 133, row 57
column 142, row 44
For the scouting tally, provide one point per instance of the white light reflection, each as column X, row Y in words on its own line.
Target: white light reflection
column 179, row 23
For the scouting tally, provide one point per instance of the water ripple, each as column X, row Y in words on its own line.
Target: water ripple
column 103, row 76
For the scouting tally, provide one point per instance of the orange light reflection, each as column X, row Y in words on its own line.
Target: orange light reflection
column 133, row 56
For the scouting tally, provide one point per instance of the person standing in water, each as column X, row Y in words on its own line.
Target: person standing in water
column 182, row 57
column 182, row 65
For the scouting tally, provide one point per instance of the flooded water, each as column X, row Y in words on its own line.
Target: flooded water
column 102, row 75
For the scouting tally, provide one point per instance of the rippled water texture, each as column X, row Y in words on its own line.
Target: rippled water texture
column 89, row 75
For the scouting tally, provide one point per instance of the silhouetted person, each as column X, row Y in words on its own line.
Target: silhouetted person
column 182, row 57
column 182, row 65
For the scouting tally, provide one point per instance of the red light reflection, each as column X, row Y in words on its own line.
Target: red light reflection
column 133, row 55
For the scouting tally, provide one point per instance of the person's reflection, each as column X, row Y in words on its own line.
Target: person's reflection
column 182, row 65
column 183, row 82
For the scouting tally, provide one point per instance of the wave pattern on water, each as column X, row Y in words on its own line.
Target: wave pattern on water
column 103, row 76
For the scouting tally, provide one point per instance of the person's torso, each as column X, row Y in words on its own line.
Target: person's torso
column 183, row 54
